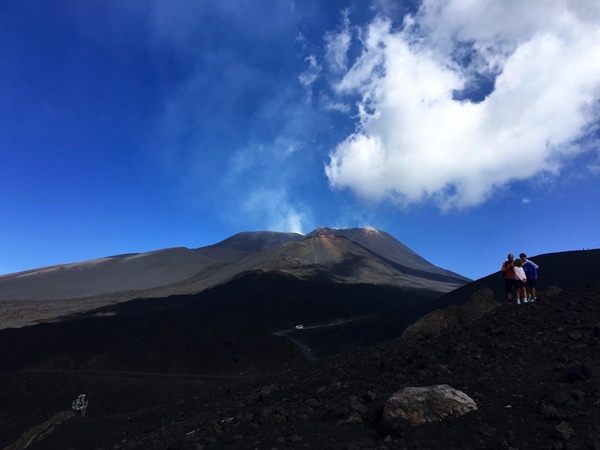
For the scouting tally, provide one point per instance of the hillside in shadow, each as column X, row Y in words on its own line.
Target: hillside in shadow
column 533, row 371
column 225, row 330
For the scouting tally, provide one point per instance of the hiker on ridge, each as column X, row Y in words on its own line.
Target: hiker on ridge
column 520, row 282
column 509, row 276
column 530, row 269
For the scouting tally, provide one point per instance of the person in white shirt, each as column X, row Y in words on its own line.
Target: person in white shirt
column 530, row 268
column 521, row 281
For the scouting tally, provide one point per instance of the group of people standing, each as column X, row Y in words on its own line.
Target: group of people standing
column 520, row 274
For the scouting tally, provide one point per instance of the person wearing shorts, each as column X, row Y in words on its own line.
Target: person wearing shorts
column 509, row 276
column 520, row 282
column 530, row 269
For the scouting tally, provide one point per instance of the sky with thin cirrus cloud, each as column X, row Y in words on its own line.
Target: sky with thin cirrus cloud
column 467, row 130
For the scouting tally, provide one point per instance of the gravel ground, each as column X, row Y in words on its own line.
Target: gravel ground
column 533, row 370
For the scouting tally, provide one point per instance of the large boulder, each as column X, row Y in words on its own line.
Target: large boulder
column 414, row 406
column 481, row 302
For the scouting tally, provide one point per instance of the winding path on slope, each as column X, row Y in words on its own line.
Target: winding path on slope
column 305, row 349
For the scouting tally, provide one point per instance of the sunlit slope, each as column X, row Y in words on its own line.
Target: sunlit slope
column 105, row 275
column 358, row 255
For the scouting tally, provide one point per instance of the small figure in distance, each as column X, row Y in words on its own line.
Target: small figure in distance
column 509, row 276
column 530, row 269
column 521, row 281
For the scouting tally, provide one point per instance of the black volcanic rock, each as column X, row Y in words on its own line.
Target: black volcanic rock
column 516, row 363
column 480, row 303
column 230, row 328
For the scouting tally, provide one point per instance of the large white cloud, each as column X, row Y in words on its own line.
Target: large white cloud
column 417, row 141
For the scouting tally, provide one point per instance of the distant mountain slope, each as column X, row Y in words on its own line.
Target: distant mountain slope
column 336, row 258
column 387, row 246
column 251, row 242
column 104, row 275
column 355, row 256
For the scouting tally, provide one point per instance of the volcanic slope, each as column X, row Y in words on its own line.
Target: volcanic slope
column 342, row 260
column 239, row 329
column 181, row 270
column 102, row 276
column 386, row 246
column 315, row 257
column 533, row 370
column 232, row 328
column 156, row 273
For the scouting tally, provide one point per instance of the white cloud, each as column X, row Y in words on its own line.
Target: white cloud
column 337, row 44
column 310, row 75
column 416, row 142
column 329, row 104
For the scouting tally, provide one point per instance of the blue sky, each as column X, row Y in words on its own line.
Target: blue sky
column 466, row 130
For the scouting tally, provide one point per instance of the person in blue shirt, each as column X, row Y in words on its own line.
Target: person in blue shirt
column 530, row 269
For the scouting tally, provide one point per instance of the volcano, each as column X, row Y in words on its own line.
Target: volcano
column 254, row 301
column 339, row 256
